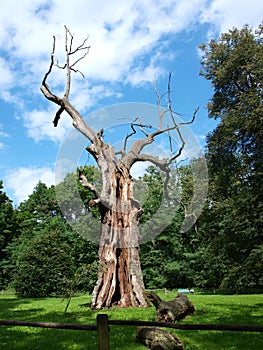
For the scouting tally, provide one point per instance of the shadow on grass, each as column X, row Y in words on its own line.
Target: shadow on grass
column 214, row 340
column 123, row 337
column 12, row 309
column 229, row 314
column 24, row 338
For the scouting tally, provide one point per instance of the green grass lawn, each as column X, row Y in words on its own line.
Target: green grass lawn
column 217, row 309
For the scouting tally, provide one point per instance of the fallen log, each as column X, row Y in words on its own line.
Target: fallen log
column 158, row 339
column 166, row 311
column 172, row 310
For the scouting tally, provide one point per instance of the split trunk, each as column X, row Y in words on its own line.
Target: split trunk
column 120, row 279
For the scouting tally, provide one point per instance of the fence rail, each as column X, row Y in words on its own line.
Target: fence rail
column 190, row 327
column 103, row 323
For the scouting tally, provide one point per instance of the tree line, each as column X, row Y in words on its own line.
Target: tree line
column 40, row 254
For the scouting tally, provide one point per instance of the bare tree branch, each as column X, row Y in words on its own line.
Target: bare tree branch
column 135, row 154
column 64, row 103
column 138, row 145
column 121, row 152
column 145, row 157
column 177, row 155
column 88, row 185
column 57, row 116
column 51, row 62
column 70, row 51
column 141, row 126
column 66, row 95
column 160, row 109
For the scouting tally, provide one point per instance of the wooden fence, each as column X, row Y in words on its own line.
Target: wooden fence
column 103, row 323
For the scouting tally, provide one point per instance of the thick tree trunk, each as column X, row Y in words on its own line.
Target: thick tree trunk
column 120, row 279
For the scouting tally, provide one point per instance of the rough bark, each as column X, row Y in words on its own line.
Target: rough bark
column 158, row 339
column 120, row 279
column 173, row 310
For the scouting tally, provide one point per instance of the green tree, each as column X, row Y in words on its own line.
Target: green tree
column 172, row 259
column 45, row 266
column 232, row 223
column 8, row 230
column 74, row 203
column 234, row 66
column 41, row 203
column 43, row 231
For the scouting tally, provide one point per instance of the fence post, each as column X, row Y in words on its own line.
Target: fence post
column 103, row 332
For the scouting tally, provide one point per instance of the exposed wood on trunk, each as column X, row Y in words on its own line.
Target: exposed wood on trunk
column 120, row 279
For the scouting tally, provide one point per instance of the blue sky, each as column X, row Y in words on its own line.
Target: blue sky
column 132, row 43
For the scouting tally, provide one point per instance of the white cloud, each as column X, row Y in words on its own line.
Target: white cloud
column 139, row 169
column 147, row 72
column 39, row 123
column 226, row 14
column 22, row 181
column 40, row 127
column 6, row 77
column 86, row 96
column 119, row 33
column 128, row 46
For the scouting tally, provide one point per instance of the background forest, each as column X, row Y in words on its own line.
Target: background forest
column 40, row 255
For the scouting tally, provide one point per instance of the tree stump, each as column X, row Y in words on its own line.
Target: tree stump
column 158, row 339
column 172, row 310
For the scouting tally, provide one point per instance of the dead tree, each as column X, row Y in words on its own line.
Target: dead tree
column 172, row 310
column 120, row 282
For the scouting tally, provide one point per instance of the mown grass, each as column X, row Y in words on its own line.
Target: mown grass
column 217, row 309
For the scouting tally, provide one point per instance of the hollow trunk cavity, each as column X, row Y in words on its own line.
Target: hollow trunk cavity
column 120, row 279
